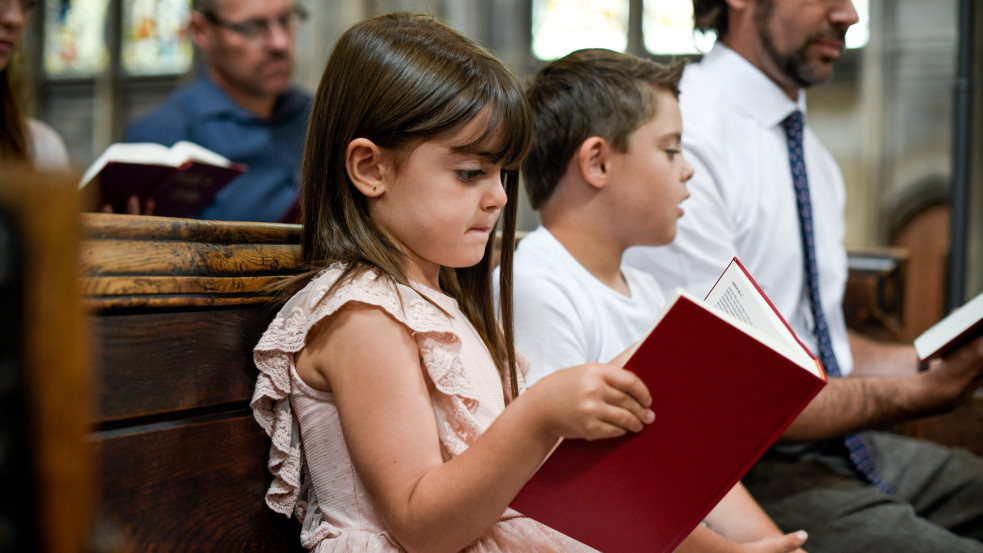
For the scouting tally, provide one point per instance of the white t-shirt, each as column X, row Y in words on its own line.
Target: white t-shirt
column 564, row 316
column 742, row 200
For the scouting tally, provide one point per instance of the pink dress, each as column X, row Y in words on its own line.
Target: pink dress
column 313, row 476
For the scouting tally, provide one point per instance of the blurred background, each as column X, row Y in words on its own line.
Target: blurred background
column 887, row 115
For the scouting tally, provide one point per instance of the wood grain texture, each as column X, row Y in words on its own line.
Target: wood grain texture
column 45, row 208
column 138, row 227
column 176, row 308
column 159, row 361
column 108, row 257
column 191, row 486
column 132, row 261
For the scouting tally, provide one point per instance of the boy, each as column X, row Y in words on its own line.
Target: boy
column 606, row 173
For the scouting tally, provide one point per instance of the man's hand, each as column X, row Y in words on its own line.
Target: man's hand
column 133, row 207
column 957, row 376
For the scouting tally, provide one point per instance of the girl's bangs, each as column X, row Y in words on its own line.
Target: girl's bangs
column 507, row 136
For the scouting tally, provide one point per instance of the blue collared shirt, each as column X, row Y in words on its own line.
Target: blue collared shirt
column 272, row 148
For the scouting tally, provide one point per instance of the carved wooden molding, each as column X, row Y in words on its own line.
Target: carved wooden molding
column 133, row 261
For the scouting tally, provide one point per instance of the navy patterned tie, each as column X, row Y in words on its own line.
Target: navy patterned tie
column 793, row 124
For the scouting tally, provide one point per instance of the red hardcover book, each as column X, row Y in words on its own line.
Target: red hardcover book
column 727, row 376
column 181, row 180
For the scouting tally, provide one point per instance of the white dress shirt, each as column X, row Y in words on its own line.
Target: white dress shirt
column 742, row 200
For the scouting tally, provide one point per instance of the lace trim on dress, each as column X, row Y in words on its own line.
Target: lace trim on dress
column 455, row 403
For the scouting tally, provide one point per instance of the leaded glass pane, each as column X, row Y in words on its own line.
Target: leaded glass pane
column 668, row 28
column 562, row 26
column 75, row 38
column 155, row 37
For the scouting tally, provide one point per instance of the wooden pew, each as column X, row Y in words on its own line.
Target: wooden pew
column 177, row 306
column 45, row 462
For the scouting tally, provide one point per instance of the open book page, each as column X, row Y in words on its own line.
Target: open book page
column 737, row 296
column 952, row 330
column 186, row 151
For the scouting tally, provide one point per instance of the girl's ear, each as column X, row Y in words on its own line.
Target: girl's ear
column 369, row 167
column 592, row 159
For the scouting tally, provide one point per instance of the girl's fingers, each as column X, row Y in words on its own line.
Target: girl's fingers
column 625, row 416
column 629, row 383
column 628, row 403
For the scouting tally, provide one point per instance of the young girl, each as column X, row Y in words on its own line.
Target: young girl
column 389, row 391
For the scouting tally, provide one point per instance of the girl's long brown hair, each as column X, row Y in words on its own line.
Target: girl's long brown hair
column 398, row 79
column 13, row 133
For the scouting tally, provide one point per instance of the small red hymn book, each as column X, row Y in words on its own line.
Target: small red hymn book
column 727, row 376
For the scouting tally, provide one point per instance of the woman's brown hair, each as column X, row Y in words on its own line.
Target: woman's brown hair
column 13, row 133
column 399, row 79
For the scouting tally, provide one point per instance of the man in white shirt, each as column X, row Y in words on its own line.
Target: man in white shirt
column 737, row 107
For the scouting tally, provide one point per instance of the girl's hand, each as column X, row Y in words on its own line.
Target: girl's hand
column 592, row 401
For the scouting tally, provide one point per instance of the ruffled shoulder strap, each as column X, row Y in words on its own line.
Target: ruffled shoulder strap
column 455, row 401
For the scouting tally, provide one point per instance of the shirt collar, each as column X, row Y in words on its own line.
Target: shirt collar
column 214, row 102
column 750, row 90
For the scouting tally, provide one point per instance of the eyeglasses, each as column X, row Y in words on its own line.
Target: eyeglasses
column 256, row 29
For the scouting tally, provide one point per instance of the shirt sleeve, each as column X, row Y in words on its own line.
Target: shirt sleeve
column 548, row 328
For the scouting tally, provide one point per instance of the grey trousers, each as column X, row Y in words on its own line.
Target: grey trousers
column 936, row 504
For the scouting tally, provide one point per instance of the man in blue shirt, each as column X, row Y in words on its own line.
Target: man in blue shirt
column 242, row 105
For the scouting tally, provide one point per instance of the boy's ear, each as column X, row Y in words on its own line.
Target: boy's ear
column 593, row 158
column 369, row 167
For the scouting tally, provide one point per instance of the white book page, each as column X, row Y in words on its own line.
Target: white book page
column 191, row 151
column 949, row 327
column 737, row 297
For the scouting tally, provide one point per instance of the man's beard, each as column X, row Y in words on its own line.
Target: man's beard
column 796, row 65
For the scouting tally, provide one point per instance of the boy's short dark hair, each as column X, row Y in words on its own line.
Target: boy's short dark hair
column 591, row 92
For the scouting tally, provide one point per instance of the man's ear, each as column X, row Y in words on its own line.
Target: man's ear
column 369, row 167
column 593, row 157
column 200, row 33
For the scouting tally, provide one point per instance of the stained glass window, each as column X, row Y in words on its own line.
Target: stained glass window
column 155, row 37
column 668, row 28
column 75, row 38
column 562, row 26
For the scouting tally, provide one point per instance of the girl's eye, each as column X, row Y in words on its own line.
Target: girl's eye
column 672, row 154
column 469, row 175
